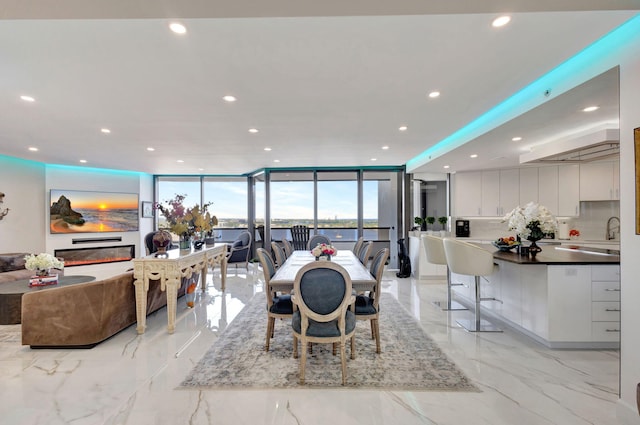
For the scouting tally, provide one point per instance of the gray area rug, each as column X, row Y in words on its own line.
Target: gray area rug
column 410, row 359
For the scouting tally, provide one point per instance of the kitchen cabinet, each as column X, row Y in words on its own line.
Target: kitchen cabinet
column 528, row 191
column 599, row 181
column 490, row 193
column 568, row 190
column 467, row 194
column 509, row 191
column 548, row 188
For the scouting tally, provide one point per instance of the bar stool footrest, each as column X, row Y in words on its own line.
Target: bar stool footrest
column 471, row 325
column 454, row 305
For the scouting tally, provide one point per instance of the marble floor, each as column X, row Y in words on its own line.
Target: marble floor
column 132, row 379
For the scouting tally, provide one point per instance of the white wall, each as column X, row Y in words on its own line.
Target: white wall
column 630, row 242
column 22, row 182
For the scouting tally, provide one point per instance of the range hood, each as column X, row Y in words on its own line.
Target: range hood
column 594, row 146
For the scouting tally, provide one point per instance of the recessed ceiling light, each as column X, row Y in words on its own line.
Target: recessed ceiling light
column 105, row 130
column 276, row 160
column 253, row 130
column 374, row 159
column 267, row 149
column 27, row 98
column 177, row 27
column 403, row 128
column 591, row 108
column 84, row 161
column 229, row 98
column 200, row 169
column 434, row 94
column 501, row 21
column 475, row 155
column 150, row 149
column 33, row 149
column 446, row 166
column 384, row 148
column 180, row 161
column 517, row 139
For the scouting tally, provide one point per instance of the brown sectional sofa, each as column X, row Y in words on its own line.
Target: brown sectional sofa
column 83, row 315
column 12, row 267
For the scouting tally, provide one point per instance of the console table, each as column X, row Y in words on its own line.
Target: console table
column 11, row 295
column 169, row 269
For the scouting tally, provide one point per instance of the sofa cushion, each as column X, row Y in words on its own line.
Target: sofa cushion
column 12, row 261
column 15, row 275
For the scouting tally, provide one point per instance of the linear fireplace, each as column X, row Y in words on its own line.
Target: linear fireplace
column 97, row 255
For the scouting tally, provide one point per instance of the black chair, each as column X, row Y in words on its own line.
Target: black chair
column 317, row 239
column 240, row 249
column 300, row 237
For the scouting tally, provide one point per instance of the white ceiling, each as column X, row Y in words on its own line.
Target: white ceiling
column 323, row 91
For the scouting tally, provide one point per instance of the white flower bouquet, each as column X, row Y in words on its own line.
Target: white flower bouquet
column 323, row 249
column 531, row 222
column 42, row 261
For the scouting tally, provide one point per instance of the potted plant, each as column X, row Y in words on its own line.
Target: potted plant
column 420, row 223
column 430, row 221
column 443, row 223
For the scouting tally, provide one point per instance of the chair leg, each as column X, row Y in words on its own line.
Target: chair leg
column 377, row 325
column 353, row 346
column 295, row 347
column 270, row 324
column 303, row 359
column 343, row 361
column 373, row 331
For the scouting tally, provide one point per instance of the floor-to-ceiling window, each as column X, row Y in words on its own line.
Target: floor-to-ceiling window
column 337, row 208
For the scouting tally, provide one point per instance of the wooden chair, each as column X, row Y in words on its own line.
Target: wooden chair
column 288, row 248
column 300, row 237
column 278, row 253
column 365, row 252
column 358, row 245
column 240, row 249
column 317, row 239
column 367, row 306
column 278, row 306
column 322, row 295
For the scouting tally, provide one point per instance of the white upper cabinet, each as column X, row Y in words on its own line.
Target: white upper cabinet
column 529, row 186
column 568, row 190
column 467, row 194
column 490, row 193
column 509, row 190
column 548, row 188
column 599, row 181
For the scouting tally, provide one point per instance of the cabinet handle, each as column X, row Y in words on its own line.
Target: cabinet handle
column 612, row 330
column 611, row 309
column 612, row 290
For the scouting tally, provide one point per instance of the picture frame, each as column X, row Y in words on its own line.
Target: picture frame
column 147, row 209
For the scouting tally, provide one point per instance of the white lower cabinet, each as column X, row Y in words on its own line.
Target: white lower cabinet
column 564, row 306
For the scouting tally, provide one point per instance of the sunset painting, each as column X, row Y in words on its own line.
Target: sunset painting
column 74, row 211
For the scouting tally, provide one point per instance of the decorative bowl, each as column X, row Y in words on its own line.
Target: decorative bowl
column 505, row 247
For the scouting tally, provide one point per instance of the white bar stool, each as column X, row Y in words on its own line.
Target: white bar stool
column 468, row 259
column 434, row 247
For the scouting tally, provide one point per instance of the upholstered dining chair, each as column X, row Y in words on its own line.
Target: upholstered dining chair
column 288, row 248
column 317, row 239
column 358, row 245
column 365, row 252
column 300, row 237
column 367, row 306
column 151, row 248
column 471, row 260
column 278, row 253
column 322, row 295
column 279, row 306
column 240, row 250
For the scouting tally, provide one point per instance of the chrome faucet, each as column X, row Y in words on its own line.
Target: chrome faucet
column 612, row 230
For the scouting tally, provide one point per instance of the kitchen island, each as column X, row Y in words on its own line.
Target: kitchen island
column 565, row 297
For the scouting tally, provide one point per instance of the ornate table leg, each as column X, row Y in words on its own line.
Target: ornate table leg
column 141, row 287
column 223, row 272
column 172, row 285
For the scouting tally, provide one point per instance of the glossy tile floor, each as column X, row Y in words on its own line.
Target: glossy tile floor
column 132, row 379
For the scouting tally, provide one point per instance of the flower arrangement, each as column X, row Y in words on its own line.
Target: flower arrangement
column 186, row 221
column 42, row 261
column 574, row 233
column 323, row 249
column 531, row 221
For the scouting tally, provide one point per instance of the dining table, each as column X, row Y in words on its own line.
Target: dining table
column 361, row 278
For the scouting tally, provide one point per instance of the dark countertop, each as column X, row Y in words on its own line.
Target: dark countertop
column 559, row 255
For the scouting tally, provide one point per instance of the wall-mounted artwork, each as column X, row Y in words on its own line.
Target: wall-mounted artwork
column 75, row 211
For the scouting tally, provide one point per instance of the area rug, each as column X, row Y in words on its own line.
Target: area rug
column 410, row 360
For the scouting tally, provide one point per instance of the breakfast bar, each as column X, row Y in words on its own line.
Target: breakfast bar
column 564, row 297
